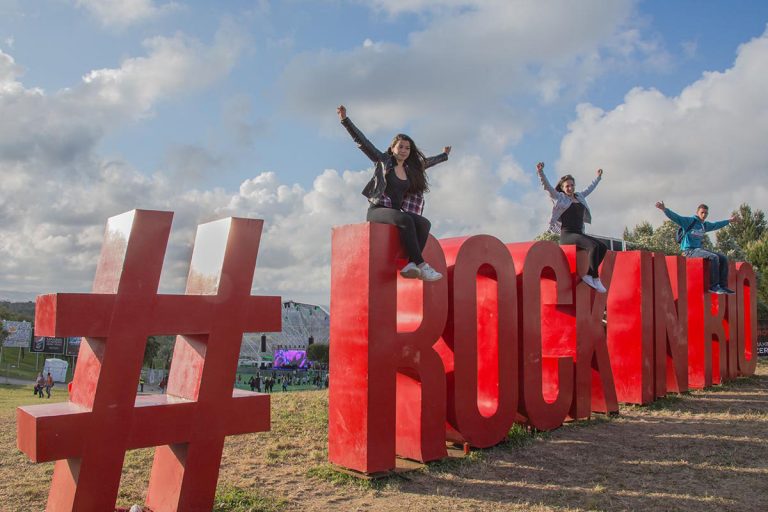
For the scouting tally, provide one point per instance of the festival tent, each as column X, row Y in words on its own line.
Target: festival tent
column 58, row 369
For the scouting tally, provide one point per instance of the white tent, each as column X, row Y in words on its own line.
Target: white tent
column 58, row 369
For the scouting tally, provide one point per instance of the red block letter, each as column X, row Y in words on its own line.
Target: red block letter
column 482, row 339
column 671, row 312
column 383, row 363
column 544, row 402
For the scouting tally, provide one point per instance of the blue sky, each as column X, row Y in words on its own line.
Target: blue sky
column 213, row 109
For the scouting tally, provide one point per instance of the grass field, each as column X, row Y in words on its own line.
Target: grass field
column 706, row 450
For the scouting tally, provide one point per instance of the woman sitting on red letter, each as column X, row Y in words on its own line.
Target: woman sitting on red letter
column 396, row 193
column 570, row 212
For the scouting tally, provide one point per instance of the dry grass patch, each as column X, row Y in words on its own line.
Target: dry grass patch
column 704, row 450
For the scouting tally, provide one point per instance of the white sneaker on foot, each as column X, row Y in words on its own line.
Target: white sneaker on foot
column 411, row 271
column 599, row 285
column 428, row 273
column 589, row 281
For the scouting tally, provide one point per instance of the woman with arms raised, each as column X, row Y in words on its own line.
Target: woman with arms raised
column 396, row 193
column 570, row 212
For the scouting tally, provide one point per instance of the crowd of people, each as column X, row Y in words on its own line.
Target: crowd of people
column 265, row 382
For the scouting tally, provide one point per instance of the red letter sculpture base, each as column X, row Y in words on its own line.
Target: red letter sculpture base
column 89, row 435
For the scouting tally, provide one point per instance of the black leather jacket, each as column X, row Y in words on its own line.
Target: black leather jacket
column 383, row 160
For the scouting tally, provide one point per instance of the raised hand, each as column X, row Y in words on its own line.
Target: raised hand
column 660, row 205
column 447, row 150
column 735, row 219
column 599, row 172
column 342, row 111
column 540, row 167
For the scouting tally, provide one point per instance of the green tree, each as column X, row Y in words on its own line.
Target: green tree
column 318, row 352
column 645, row 237
column 164, row 351
column 756, row 253
column 733, row 239
column 151, row 351
column 662, row 239
column 548, row 236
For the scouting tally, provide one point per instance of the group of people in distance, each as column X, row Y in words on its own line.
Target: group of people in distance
column 396, row 196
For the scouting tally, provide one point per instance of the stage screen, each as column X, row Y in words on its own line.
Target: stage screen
column 290, row 359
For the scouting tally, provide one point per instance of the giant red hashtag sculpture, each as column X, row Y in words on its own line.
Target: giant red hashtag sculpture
column 89, row 435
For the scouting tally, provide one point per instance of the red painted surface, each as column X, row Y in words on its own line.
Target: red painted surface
column 546, row 372
column 89, row 435
column 519, row 338
column 595, row 389
column 746, row 291
column 699, row 306
column 731, row 325
column 630, row 326
column 387, row 383
column 671, row 319
column 480, row 349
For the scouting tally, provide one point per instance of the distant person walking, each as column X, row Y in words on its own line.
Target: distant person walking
column 40, row 385
column 694, row 229
column 396, row 193
column 48, row 385
column 570, row 212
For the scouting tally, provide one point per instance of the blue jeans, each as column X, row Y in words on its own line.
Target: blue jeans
column 718, row 265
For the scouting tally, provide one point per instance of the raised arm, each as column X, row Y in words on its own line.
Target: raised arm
column 674, row 217
column 712, row 226
column 437, row 159
column 594, row 183
column 544, row 181
column 362, row 142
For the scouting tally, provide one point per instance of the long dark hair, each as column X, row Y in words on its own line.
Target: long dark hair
column 414, row 165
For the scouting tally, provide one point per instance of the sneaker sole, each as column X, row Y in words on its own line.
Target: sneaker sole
column 429, row 280
column 414, row 273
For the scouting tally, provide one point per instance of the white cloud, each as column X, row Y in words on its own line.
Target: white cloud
column 122, row 13
column 705, row 145
column 473, row 74
column 57, row 191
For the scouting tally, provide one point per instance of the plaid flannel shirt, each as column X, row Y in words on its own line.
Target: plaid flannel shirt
column 412, row 203
column 374, row 190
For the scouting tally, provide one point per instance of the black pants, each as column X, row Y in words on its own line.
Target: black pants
column 595, row 248
column 414, row 229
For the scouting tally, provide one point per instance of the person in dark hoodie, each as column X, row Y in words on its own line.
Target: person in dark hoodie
column 396, row 193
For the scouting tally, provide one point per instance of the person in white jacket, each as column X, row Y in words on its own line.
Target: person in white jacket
column 570, row 212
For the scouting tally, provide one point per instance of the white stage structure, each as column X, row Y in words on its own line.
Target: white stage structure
column 302, row 323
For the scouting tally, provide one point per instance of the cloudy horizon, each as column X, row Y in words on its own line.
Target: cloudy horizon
column 212, row 110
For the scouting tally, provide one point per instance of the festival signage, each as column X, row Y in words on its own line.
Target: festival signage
column 19, row 333
column 762, row 339
column 48, row 345
column 512, row 334
column 72, row 346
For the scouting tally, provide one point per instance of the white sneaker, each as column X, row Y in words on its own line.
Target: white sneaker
column 599, row 285
column 589, row 281
column 411, row 271
column 428, row 273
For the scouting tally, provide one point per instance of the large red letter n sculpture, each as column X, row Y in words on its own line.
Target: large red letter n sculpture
column 89, row 435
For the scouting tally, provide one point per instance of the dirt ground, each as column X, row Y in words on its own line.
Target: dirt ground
column 707, row 450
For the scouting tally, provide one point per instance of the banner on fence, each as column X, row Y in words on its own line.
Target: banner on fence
column 19, row 333
column 47, row 345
